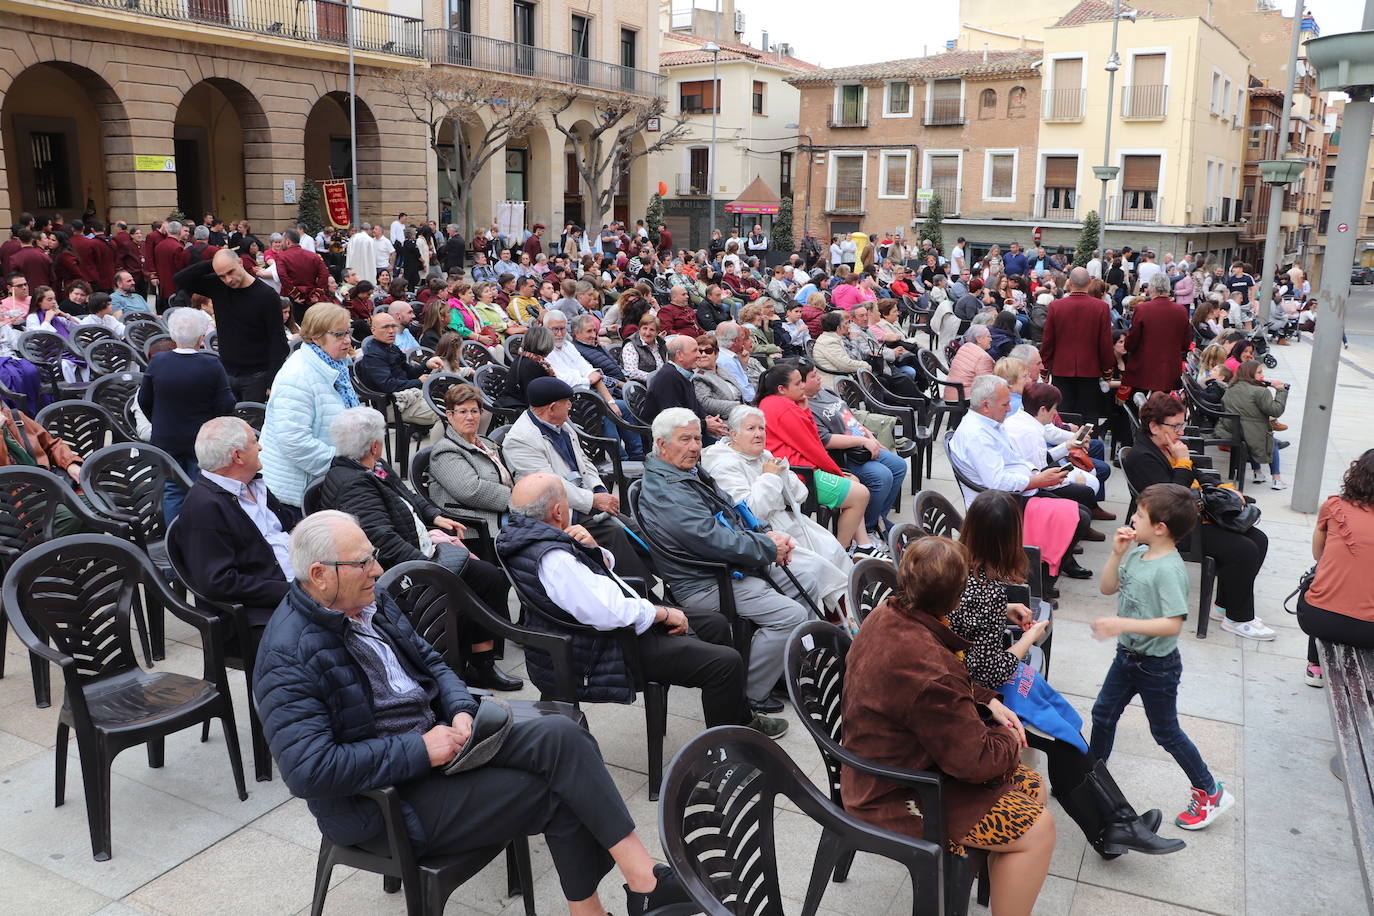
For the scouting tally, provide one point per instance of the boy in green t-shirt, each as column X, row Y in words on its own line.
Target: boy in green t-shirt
column 1152, row 602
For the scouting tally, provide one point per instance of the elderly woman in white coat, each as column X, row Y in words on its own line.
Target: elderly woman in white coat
column 311, row 388
column 748, row 473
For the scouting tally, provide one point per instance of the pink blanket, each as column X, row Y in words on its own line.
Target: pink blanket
column 1049, row 524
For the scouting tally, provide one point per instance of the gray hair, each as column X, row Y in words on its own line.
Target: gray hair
column 677, row 343
column 452, row 228
column 551, row 316
column 1027, row 353
column 581, row 321
column 218, row 439
column 983, row 389
column 187, row 327
column 726, row 334
column 538, row 341
column 1160, row 286
column 669, row 421
column 977, row 332
column 354, row 430
column 542, row 504
column 367, row 227
column 313, row 540
column 202, row 233
column 742, row 413
column 173, row 227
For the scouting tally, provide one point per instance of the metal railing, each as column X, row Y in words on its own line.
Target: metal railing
column 1064, row 104
column 324, row 21
column 1055, row 203
column 1139, row 207
column 689, row 185
column 945, row 113
column 845, row 197
column 845, row 116
column 1144, row 103
column 463, row 49
column 948, row 192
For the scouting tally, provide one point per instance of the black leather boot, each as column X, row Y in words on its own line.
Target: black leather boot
column 1108, row 820
column 481, row 671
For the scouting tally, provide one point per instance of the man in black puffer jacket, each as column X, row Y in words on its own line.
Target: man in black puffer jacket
column 353, row 699
column 559, row 568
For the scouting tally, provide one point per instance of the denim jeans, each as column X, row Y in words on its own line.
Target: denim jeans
column 631, row 443
column 1155, row 679
column 1273, row 461
column 172, row 493
column 883, row 476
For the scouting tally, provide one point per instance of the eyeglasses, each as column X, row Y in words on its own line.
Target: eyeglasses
column 338, row 335
column 707, row 350
column 1174, row 425
column 362, row 564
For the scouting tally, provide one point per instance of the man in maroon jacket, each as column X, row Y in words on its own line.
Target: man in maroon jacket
column 32, row 261
column 1159, row 337
column 102, row 250
column 665, row 240
column 1077, row 348
column 303, row 276
column 150, row 242
column 8, row 249
column 86, row 255
column 126, row 254
column 534, row 245
column 169, row 257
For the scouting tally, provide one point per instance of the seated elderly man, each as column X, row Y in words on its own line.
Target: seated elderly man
column 405, row 525
column 671, row 386
column 353, row 699
column 983, row 453
column 231, row 535
column 586, row 330
column 569, row 365
column 736, row 344
column 689, row 513
column 383, row 367
column 543, row 439
column 560, row 566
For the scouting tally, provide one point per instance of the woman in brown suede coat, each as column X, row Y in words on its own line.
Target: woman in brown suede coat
column 908, row 702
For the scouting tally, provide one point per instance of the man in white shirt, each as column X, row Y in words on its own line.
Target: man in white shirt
column 384, row 252
column 398, row 229
column 504, row 265
column 960, row 260
column 307, row 240
column 1095, row 265
column 1147, row 267
column 362, row 255
column 735, row 344
column 575, row 578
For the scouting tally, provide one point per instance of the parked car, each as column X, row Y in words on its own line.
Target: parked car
column 1361, row 275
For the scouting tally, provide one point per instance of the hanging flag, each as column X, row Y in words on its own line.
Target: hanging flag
column 336, row 202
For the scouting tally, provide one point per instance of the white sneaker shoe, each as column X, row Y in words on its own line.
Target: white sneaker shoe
column 1249, row 629
column 1258, row 475
column 1277, row 484
column 1217, row 613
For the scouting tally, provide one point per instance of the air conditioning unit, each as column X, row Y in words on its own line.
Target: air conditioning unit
column 739, row 21
column 784, row 49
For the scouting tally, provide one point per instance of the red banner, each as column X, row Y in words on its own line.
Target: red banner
column 336, row 202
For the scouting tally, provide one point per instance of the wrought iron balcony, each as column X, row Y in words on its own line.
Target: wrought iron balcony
column 689, row 185
column 1064, row 104
column 945, row 113
column 1144, row 103
column 845, row 197
column 463, row 49
column 1138, row 207
column 947, row 191
column 322, row 21
column 845, row 116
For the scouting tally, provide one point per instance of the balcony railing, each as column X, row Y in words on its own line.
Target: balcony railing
column 1144, row 103
column 689, row 185
column 1138, row 207
column 948, row 192
column 1064, row 104
column 845, row 197
column 945, row 113
column 845, row 116
column 324, row 21
column 463, row 49
column 1055, row 203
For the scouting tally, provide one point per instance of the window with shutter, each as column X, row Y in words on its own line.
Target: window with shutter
column 899, row 97
column 1147, row 96
column 1001, row 175
column 944, row 181
column 946, row 106
column 1065, row 101
column 1139, row 188
column 895, row 168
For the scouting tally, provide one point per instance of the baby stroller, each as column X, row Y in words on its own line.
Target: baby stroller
column 1260, row 341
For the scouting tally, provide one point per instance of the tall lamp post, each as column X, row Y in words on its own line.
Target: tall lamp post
column 714, row 50
column 352, row 118
column 810, row 170
column 1279, row 170
column 1106, row 172
column 1345, row 63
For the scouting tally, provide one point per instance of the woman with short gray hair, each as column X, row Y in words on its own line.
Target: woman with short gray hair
column 404, row 525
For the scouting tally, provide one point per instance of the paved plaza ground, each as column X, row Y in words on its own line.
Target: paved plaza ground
column 184, row 844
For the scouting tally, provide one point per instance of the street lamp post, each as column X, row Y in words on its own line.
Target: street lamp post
column 353, row 118
column 1276, row 188
column 1106, row 171
column 714, row 50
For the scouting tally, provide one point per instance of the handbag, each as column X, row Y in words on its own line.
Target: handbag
column 1304, row 583
column 1079, row 458
column 1227, row 509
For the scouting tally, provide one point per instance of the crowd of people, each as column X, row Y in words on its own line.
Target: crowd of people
column 715, row 373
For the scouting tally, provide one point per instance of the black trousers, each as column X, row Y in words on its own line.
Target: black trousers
column 251, row 386
column 1333, row 627
column 630, row 560
column 1082, row 396
column 1239, row 558
column 705, row 659
column 1067, row 765
column 1084, row 496
column 548, row 778
column 492, row 587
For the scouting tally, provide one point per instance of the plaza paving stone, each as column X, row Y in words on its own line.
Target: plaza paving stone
column 184, row 844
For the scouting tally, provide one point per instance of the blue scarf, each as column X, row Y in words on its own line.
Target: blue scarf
column 341, row 383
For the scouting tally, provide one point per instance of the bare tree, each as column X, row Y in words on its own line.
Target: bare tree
column 604, row 153
column 442, row 96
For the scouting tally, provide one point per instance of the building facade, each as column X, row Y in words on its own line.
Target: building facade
column 1363, row 226
column 886, row 138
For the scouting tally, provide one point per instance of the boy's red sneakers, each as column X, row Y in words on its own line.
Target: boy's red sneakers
column 1204, row 808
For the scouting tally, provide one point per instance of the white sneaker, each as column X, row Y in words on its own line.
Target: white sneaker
column 1249, row 629
column 1258, row 476
column 1217, row 613
column 1277, row 484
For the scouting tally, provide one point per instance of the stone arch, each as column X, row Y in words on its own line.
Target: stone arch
column 67, row 133
column 482, row 198
column 328, row 154
column 223, row 142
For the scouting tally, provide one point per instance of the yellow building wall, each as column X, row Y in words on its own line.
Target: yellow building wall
column 210, row 114
column 980, row 19
column 46, row 92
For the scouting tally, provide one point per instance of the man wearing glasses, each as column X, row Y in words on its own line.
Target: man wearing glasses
column 248, row 322
column 17, row 374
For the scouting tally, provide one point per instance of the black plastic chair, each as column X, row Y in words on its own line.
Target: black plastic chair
column 475, row 354
column 420, row 483
column 385, row 404
column 125, row 482
column 936, row 515
column 513, row 346
column 490, row 381
column 814, row 671
column 1204, row 415
column 29, row 500
column 253, row 413
column 78, row 592
column 1190, row 549
column 716, row 822
column 84, row 426
column 139, row 332
column 113, row 393
column 436, row 386
column 965, row 482
column 871, row 581
column 900, row 538
column 46, row 350
column 637, row 396
column 311, row 500
column 108, row 356
column 589, row 410
column 87, row 334
column 936, row 374
column 147, row 351
column 929, row 415
column 852, row 393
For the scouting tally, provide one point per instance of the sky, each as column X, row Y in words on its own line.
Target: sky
column 877, row 32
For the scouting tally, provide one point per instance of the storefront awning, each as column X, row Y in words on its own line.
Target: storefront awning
column 757, row 198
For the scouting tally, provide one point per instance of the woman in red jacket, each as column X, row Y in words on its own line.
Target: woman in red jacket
column 792, row 437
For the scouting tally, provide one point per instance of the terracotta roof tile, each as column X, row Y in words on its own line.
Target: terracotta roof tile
column 950, row 63
column 1098, row 11
column 729, row 50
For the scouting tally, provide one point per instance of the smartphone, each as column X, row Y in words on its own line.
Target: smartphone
column 1085, row 430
